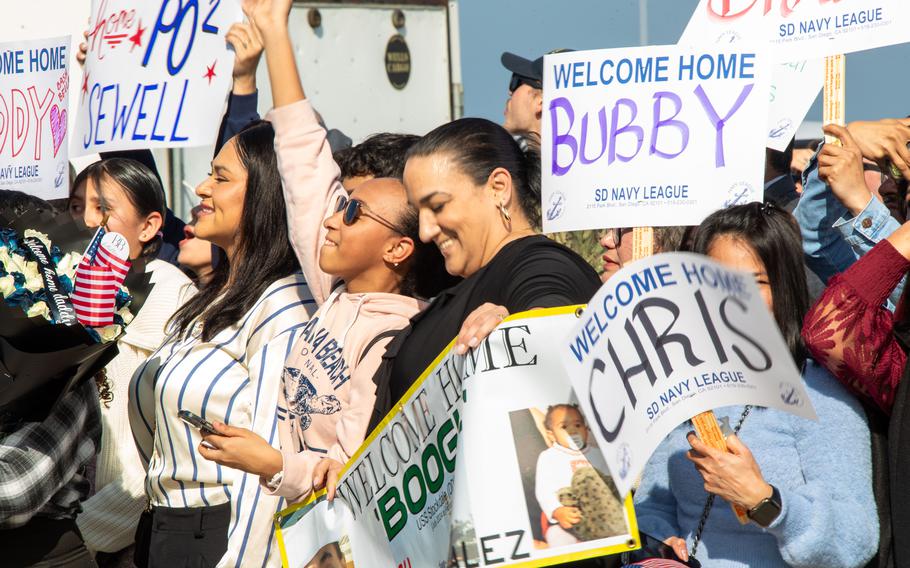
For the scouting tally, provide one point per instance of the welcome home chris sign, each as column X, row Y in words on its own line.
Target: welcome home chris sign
column 669, row 337
column 651, row 136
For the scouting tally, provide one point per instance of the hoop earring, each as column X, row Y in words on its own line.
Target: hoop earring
column 505, row 213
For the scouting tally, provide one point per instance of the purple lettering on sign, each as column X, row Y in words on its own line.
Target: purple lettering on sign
column 668, row 122
column 562, row 139
column 630, row 127
column 602, row 117
column 719, row 122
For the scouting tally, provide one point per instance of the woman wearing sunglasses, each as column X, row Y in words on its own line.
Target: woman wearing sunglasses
column 366, row 269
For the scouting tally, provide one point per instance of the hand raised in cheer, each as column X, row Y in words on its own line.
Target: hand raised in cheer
column 841, row 167
column 241, row 449
column 248, row 50
column 267, row 17
column 733, row 475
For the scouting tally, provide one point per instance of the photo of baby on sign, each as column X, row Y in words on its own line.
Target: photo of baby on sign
column 569, row 493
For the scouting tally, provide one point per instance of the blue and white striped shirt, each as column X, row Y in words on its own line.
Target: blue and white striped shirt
column 233, row 378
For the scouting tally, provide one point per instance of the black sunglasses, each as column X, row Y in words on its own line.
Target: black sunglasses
column 518, row 80
column 353, row 208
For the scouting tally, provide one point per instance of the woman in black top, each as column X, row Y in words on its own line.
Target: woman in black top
column 478, row 196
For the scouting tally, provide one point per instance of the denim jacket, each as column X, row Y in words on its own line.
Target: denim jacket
column 833, row 239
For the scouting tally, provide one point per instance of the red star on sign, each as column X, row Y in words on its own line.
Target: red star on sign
column 85, row 84
column 210, row 72
column 136, row 38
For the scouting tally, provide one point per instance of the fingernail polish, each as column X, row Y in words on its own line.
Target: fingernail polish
column 473, row 342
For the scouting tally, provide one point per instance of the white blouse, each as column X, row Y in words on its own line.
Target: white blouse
column 108, row 518
column 234, row 378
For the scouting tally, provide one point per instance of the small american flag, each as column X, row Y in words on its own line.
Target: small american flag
column 99, row 276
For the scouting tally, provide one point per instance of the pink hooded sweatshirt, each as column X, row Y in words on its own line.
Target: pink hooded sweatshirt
column 329, row 392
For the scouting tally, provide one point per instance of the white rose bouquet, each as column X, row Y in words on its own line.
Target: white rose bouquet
column 44, row 350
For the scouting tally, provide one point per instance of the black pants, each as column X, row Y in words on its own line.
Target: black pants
column 193, row 537
column 45, row 543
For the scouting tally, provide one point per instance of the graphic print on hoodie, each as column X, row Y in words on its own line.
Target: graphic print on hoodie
column 306, row 400
column 321, row 364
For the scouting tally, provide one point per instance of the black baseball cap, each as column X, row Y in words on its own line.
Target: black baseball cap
column 526, row 68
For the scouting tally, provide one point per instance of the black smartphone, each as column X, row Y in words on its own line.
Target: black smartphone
column 197, row 421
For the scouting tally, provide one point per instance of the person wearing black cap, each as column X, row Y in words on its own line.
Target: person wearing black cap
column 525, row 103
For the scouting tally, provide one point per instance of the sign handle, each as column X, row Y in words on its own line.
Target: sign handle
column 835, row 95
column 642, row 242
column 709, row 432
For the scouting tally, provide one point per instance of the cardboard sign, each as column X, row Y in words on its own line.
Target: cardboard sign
column 799, row 35
column 34, row 88
column 794, row 85
column 802, row 29
column 472, row 467
column 667, row 338
column 651, row 136
column 794, row 88
column 157, row 74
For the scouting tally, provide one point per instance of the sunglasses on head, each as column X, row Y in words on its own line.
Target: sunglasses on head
column 518, row 80
column 352, row 209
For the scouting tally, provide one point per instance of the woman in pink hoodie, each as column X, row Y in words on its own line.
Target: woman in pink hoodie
column 366, row 268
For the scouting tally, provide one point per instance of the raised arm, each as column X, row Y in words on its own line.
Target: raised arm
column 850, row 332
column 244, row 100
column 309, row 175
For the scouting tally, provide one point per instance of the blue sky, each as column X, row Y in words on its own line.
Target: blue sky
column 877, row 83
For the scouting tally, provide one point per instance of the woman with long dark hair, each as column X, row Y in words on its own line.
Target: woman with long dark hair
column 807, row 485
column 367, row 271
column 128, row 196
column 222, row 361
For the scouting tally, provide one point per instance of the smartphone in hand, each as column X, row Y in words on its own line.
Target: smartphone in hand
column 198, row 422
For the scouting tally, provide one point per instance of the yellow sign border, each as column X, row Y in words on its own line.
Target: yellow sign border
column 627, row 546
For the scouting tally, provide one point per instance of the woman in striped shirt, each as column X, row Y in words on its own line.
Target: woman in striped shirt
column 130, row 196
column 222, row 361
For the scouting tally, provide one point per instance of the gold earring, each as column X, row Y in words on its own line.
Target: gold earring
column 505, row 213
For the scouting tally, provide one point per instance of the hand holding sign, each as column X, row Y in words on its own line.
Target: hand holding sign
column 884, row 141
column 841, row 167
column 478, row 325
column 733, row 475
column 325, row 474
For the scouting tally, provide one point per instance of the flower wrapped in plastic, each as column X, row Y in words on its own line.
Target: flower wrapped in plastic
column 48, row 345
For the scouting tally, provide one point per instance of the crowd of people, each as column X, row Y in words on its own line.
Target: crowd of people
column 316, row 280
